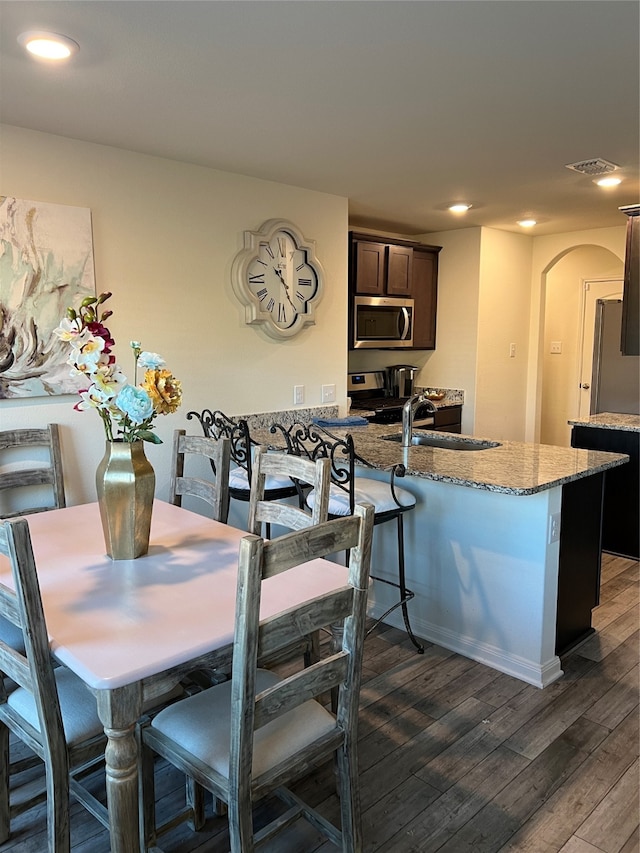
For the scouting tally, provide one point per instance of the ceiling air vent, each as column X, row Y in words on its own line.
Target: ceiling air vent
column 597, row 166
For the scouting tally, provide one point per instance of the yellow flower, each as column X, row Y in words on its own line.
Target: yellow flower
column 164, row 389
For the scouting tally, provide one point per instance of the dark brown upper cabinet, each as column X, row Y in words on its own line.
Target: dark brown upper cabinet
column 630, row 340
column 368, row 271
column 425, row 295
column 399, row 271
column 381, row 267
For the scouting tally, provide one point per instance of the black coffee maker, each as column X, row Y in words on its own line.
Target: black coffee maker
column 400, row 380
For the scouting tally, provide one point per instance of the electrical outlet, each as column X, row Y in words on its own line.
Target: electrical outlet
column 298, row 395
column 556, row 347
column 512, row 350
column 328, row 393
column 554, row 527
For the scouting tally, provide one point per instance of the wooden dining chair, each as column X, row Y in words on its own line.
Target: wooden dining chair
column 31, row 480
column 349, row 488
column 305, row 474
column 218, row 453
column 21, row 477
column 50, row 710
column 256, row 733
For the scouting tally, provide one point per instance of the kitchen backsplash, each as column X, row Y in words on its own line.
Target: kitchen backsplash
column 263, row 420
column 451, row 396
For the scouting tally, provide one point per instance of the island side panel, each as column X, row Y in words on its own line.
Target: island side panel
column 580, row 560
column 483, row 571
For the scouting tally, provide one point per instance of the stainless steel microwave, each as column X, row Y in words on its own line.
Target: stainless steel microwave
column 382, row 321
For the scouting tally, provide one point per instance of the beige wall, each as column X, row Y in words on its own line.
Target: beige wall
column 453, row 363
column 505, row 266
column 165, row 234
column 483, row 304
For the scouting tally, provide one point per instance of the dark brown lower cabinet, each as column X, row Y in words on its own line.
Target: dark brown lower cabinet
column 621, row 512
column 448, row 419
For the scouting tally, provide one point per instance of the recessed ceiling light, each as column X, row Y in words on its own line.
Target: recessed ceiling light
column 526, row 223
column 608, row 182
column 48, row 45
column 459, row 208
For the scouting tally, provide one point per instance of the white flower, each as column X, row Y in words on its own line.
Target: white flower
column 150, row 361
column 107, row 382
column 86, row 352
column 68, row 330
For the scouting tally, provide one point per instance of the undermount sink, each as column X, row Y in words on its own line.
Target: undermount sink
column 428, row 439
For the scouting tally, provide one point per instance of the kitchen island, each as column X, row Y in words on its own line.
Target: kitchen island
column 501, row 541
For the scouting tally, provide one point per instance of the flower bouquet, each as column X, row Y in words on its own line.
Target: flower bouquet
column 127, row 410
column 125, row 480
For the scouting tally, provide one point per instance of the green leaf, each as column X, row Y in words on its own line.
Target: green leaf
column 151, row 437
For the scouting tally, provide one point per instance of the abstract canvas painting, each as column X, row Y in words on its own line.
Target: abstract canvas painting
column 46, row 264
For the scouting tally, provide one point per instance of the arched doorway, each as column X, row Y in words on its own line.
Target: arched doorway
column 562, row 336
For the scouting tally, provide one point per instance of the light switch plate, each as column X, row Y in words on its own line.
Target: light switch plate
column 328, row 393
column 298, row 395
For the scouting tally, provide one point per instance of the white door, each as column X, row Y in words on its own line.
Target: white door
column 593, row 290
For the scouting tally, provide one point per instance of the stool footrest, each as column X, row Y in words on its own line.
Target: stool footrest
column 406, row 595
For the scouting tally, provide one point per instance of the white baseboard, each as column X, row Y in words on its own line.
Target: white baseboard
column 532, row 672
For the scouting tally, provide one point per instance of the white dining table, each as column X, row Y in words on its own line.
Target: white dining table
column 132, row 628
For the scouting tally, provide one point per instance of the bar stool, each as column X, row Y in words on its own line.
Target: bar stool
column 348, row 489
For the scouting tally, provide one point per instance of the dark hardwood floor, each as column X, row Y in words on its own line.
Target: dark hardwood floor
column 458, row 758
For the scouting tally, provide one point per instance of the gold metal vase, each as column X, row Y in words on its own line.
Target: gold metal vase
column 125, row 483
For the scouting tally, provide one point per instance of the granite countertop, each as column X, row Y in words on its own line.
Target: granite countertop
column 514, row 467
column 610, row 420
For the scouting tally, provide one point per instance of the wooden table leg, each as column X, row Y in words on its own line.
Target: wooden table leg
column 119, row 710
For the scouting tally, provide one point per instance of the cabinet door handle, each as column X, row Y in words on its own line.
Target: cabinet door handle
column 584, row 385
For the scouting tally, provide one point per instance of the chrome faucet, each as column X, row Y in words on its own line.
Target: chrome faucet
column 408, row 411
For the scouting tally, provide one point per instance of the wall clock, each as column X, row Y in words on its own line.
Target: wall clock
column 278, row 278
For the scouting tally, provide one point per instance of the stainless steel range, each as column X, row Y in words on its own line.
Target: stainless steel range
column 370, row 396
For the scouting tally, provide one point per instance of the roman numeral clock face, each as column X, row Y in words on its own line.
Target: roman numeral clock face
column 278, row 278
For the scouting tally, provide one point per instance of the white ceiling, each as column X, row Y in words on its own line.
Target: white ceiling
column 403, row 107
